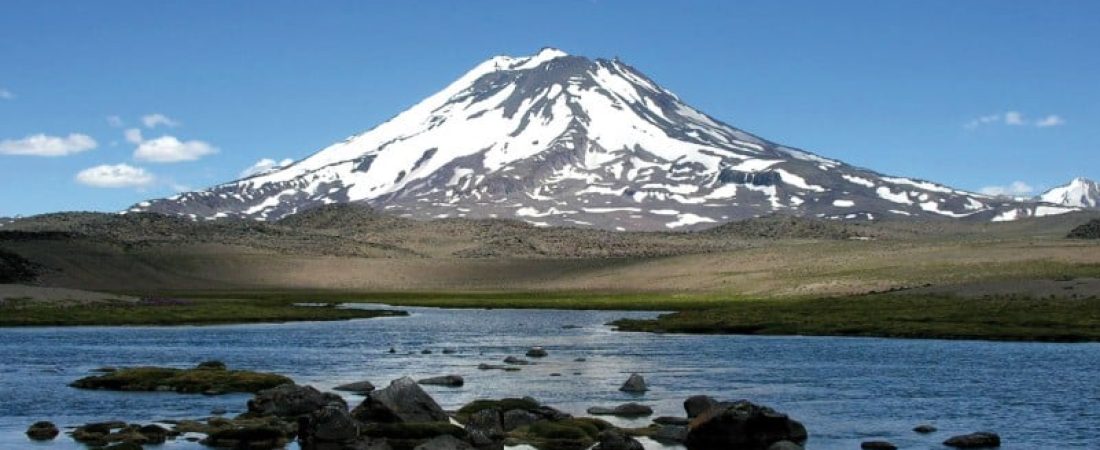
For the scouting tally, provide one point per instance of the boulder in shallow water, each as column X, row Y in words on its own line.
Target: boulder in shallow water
column 251, row 438
column 981, row 439
column 635, row 383
column 877, row 445
column 402, row 401
column 623, row 410
column 537, row 352
column 516, row 361
column 742, row 425
column 358, row 387
column 42, row 431
column 290, row 400
column 445, row 380
column 698, row 404
column 924, row 429
column 331, row 424
column 616, row 440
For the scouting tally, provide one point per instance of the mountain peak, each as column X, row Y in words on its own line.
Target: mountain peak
column 555, row 139
column 1080, row 192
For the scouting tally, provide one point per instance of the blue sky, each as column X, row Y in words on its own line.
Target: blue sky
column 974, row 94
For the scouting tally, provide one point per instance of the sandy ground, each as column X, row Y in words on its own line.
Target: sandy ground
column 54, row 294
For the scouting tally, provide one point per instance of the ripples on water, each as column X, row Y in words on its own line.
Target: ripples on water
column 845, row 390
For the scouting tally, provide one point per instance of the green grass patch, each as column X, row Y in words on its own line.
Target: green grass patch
column 201, row 311
column 894, row 315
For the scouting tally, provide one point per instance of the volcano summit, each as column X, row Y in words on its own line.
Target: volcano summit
column 561, row 140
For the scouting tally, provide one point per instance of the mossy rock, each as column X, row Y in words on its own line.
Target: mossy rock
column 207, row 379
column 567, row 434
column 504, row 405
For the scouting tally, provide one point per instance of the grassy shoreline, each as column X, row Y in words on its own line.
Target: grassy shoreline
column 219, row 311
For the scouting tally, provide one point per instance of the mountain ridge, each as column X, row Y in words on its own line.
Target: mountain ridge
column 554, row 139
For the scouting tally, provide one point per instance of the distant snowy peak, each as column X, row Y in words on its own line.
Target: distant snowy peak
column 1081, row 193
column 557, row 139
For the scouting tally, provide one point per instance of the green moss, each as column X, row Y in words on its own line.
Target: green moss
column 506, row 404
column 566, row 434
column 195, row 380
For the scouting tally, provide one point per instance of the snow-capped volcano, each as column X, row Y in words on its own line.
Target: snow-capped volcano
column 555, row 139
column 1081, row 192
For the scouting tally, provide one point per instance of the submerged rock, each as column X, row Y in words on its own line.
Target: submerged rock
column 624, row 410
column 742, row 425
column 635, row 383
column 537, row 352
column 445, row 380
column 877, row 445
column 516, row 361
column 402, row 401
column 981, row 439
column 42, row 431
column 925, row 429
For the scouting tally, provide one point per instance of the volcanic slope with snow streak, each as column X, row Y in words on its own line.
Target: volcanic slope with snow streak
column 561, row 140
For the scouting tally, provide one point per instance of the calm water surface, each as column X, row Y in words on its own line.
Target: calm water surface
column 846, row 390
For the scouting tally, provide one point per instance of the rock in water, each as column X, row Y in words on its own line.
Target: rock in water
column 330, row 425
column 446, row 380
column 981, row 439
column 42, row 431
column 924, row 429
column 624, row 410
column 516, row 361
column 670, row 433
column 537, row 352
column 785, row 445
column 616, row 440
column 742, row 425
column 402, row 401
column 290, row 400
column 698, row 404
column 634, row 384
column 877, row 445
column 358, row 387
column 667, row 420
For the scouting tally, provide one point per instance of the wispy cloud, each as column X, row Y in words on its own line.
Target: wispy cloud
column 265, row 165
column 6, row 94
column 44, row 145
column 1014, row 189
column 1014, row 119
column 115, row 176
column 157, row 119
column 115, row 121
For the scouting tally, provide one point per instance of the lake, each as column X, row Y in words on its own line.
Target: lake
column 845, row 390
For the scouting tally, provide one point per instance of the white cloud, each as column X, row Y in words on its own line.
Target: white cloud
column 43, row 145
column 6, row 94
column 133, row 136
column 1016, row 188
column 1052, row 120
column 168, row 149
column 115, row 176
column 1015, row 119
column 265, row 165
column 155, row 119
column 115, row 121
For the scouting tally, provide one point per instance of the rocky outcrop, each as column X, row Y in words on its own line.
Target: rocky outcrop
column 209, row 377
column 741, row 425
column 402, row 401
column 290, row 400
column 617, row 440
column 331, row 426
column 981, row 439
column 486, row 429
